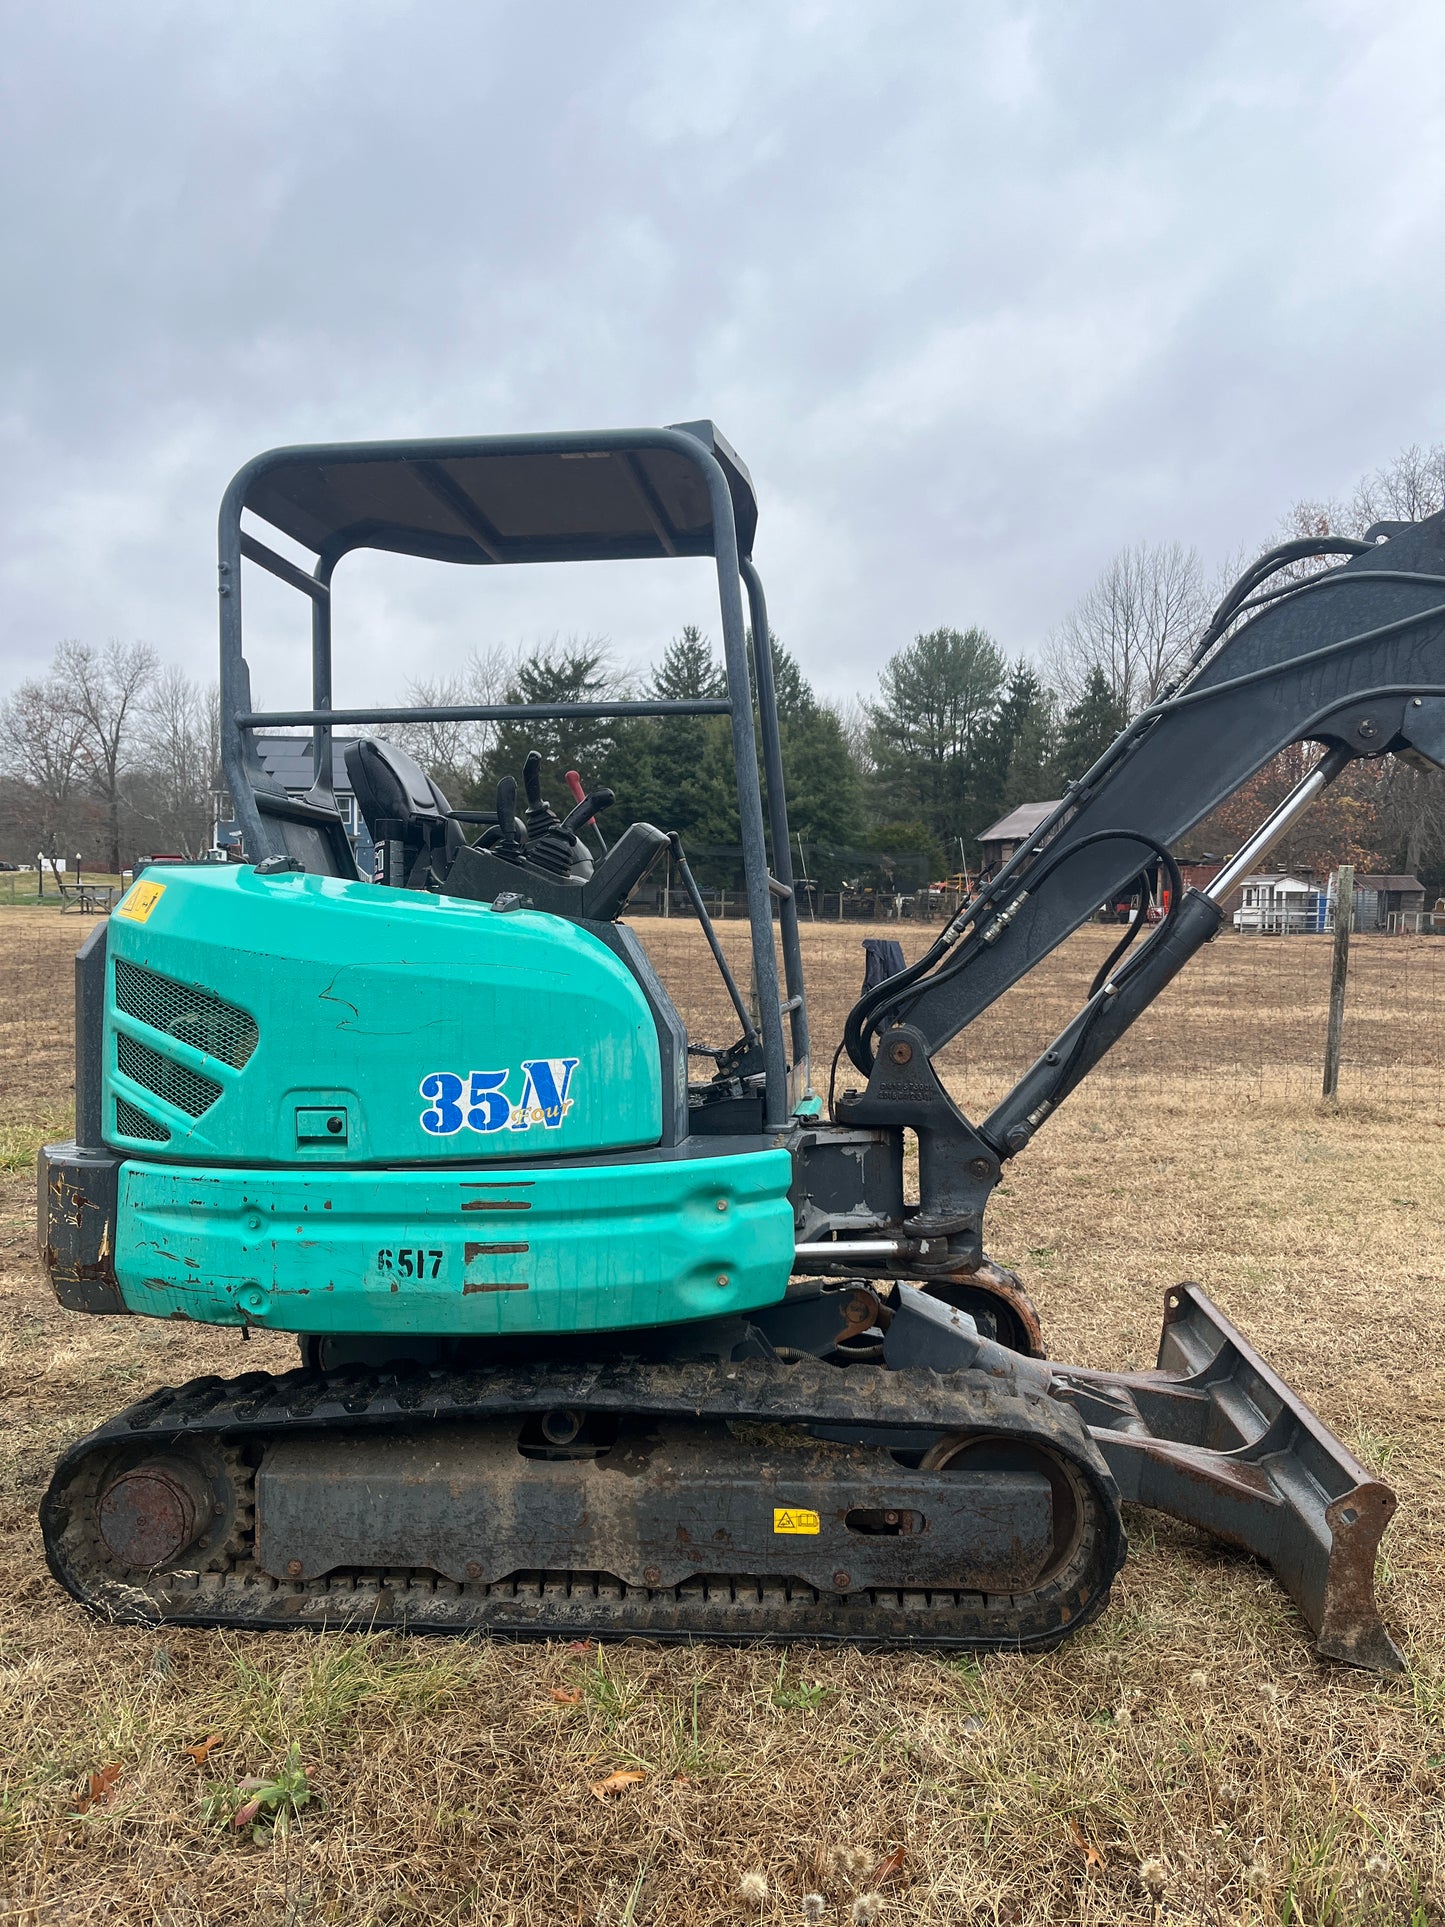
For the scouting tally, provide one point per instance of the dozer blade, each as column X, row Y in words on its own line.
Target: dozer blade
column 1213, row 1436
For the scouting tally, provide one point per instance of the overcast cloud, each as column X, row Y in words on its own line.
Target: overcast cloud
column 979, row 292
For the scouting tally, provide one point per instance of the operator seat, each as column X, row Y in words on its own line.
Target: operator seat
column 409, row 819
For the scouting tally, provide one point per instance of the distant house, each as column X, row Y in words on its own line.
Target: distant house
column 288, row 759
column 1001, row 839
column 1389, row 903
column 1276, row 904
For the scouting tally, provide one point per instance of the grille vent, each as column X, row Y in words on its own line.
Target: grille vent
column 196, row 1017
column 129, row 1122
column 186, row 1089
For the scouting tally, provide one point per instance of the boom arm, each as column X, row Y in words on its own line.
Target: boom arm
column 1353, row 658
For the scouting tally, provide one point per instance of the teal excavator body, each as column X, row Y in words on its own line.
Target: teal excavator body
column 345, row 1108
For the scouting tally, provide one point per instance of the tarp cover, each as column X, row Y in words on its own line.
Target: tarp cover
column 502, row 499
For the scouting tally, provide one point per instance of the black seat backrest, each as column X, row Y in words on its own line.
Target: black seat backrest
column 311, row 832
column 401, row 803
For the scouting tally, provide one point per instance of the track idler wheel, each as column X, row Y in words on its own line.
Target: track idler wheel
column 1073, row 1507
column 152, row 1514
column 995, row 1299
column 145, row 1511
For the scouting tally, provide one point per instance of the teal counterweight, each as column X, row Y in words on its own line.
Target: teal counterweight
column 354, row 1109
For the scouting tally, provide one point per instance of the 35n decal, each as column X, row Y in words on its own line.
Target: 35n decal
column 478, row 1100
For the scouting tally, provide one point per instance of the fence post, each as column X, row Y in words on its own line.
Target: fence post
column 1339, row 973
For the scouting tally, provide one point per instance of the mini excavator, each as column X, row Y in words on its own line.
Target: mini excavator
column 591, row 1345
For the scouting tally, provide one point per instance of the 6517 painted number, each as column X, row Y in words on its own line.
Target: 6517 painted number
column 410, row 1261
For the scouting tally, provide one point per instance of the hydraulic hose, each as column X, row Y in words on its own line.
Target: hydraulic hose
column 862, row 1019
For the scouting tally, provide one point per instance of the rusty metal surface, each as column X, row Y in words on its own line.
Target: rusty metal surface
column 76, row 1189
column 147, row 1515
column 992, row 1290
column 1215, row 1437
column 654, row 1507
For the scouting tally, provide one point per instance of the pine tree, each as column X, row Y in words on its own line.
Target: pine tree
column 605, row 751
column 691, row 788
column 927, row 730
column 1016, row 754
column 1088, row 728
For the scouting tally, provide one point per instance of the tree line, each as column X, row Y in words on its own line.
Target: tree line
column 894, row 789
column 111, row 755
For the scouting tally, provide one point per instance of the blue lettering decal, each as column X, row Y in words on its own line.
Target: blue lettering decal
column 445, row 1116
column 487, row 1108
column 480, row 1102
column 544, row 1091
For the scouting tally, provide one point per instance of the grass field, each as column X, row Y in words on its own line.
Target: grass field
column 1186, row 1760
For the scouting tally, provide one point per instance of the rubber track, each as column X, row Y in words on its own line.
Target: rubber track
column 259, row 1407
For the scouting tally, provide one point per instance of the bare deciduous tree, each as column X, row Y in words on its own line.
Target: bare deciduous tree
column 1407, row 489
column 454, row 753
column 40, row 747
column 105, row 689
column 1411, row 801
column 1136, row 625
column 177, row 743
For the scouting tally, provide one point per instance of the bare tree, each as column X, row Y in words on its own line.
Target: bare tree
column 1136, row 625
column 455, row 752
column 41, row 739
column 857, row 730
column 1412, row 814
column 177, row 753
column 1407, row 489
column 105, row 690
column 1411, row 800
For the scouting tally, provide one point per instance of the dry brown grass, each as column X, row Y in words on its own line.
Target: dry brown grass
column 1192, row 1727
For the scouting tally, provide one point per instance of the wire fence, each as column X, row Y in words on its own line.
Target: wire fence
column 1248, row 1015
column 1246, row 1018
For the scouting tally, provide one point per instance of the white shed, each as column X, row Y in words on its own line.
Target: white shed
column 1277, row 904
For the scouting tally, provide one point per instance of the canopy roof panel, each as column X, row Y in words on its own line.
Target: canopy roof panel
column 614, row 495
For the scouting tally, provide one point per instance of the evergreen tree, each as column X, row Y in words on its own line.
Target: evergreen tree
column 822, row 779
column 689, row 671
column 1088, row 728
column 1016, row 754
column 1034, row 748
column 908, row 856
column 936, row 700
column 686, row 791
column 610, row 751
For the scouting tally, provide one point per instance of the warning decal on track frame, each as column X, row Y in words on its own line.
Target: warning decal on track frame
column 795, row 1519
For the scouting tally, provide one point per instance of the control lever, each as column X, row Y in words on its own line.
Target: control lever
column 511, row 845
column 586, row 808
column 550, row 843
column 541, row 817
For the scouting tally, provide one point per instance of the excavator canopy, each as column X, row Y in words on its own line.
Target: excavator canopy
column 609, row 496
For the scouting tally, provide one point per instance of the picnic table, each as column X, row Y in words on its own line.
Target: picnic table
column 94, row 897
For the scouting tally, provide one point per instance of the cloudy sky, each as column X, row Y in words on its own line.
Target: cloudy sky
column 979, row 291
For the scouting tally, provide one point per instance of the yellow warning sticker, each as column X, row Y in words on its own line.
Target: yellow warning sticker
column 795, row 1519
column 141, row 900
